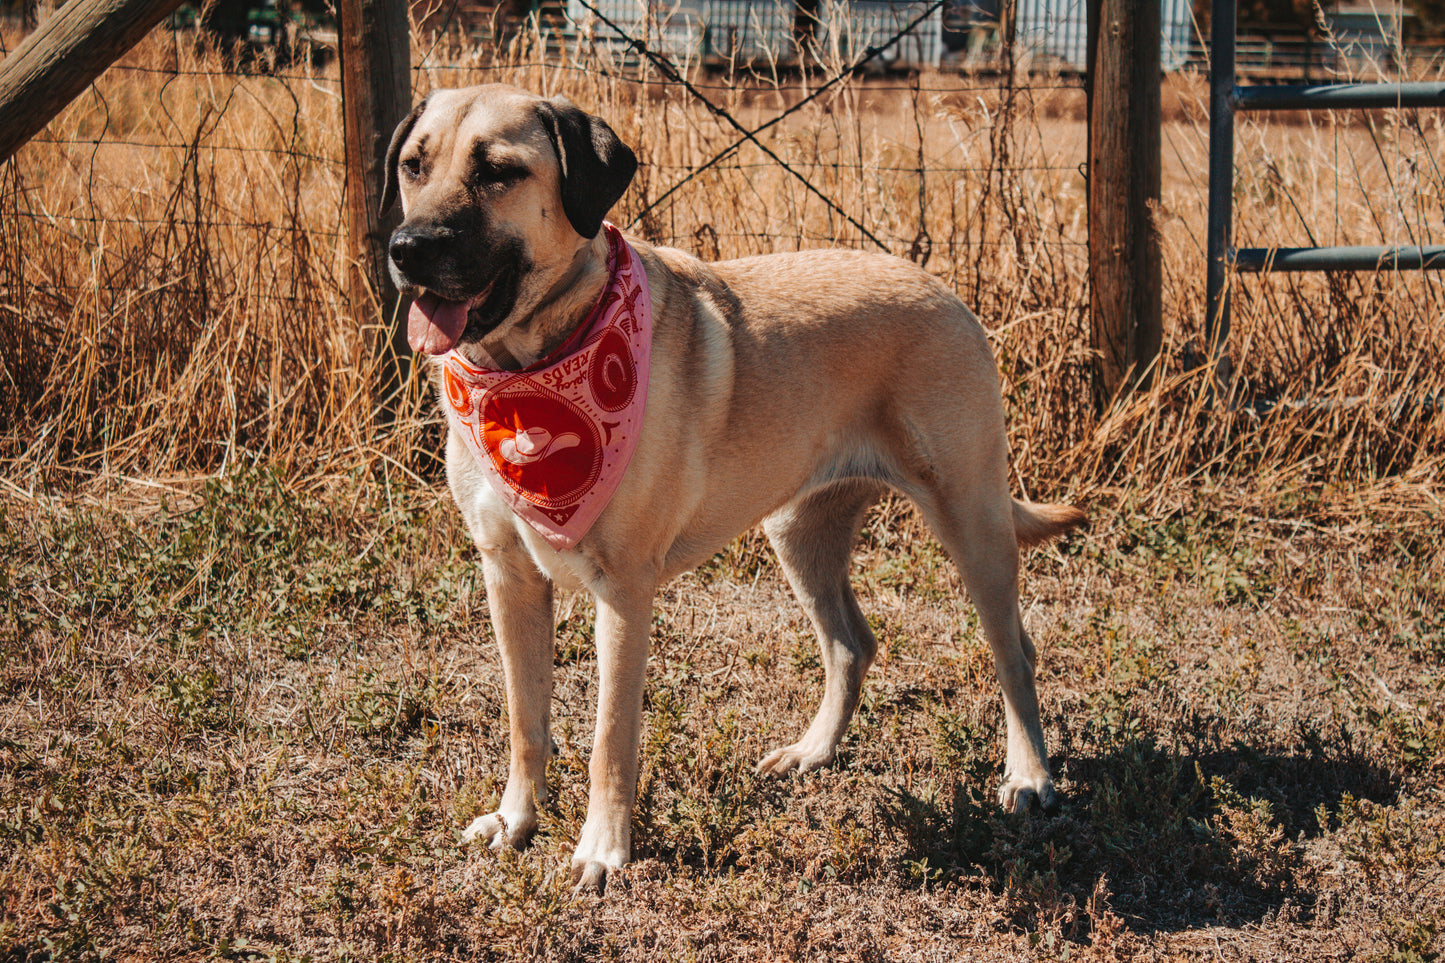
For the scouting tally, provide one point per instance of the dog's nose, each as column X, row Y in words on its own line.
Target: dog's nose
column 410, row 249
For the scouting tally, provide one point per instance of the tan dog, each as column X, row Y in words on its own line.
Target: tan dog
column 792, row 390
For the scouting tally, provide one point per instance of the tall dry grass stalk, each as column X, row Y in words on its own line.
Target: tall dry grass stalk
column 168, row 310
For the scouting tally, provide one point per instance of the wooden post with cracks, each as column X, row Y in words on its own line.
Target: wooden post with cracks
column 1125, row 308
column 376, row 95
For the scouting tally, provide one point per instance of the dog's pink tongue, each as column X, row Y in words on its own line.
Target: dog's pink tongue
column 434, row 326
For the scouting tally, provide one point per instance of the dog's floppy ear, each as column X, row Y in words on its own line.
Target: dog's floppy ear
column 596, row 166
column 403, row 130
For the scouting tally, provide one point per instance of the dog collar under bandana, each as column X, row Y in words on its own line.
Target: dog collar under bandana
column 555, row 439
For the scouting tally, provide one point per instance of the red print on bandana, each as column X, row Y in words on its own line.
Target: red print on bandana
column 555, row 439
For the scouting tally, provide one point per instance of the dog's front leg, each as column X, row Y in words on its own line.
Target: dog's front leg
column 623, row 628
column 520, row 599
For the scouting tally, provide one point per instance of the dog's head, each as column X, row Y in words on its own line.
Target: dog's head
column 500, row 190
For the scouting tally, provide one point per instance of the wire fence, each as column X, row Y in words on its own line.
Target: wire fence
column 208, row 73
column 173, row 272
column 93, row 155
column 173, row 286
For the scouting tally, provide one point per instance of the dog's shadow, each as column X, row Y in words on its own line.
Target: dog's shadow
column 1167, row 839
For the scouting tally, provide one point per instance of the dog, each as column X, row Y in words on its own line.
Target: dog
column 789, row 389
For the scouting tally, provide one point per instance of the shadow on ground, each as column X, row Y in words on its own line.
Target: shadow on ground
column 1168, row 839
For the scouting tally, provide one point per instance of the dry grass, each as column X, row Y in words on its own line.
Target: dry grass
column 247, row 694
column 173, row 310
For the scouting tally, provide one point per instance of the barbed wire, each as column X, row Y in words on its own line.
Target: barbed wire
column 884, row 168
column 968, row 82
column 735, row 165
column 881, row 84
column 236, row 74
column 669, row 70
column 275, row 226
column 71, row 290
column 673, row 239
column 189, row 146
column 753, row 90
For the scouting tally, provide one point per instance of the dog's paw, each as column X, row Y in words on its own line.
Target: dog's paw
column 591, row 877
column 602, row 850
column 1018, row 793
column 498, row 830
column 802, row 756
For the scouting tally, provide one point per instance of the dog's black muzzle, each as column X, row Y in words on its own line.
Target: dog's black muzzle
column 421, row 253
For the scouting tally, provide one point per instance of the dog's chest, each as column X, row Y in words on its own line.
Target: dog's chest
column 493, row 524
column 560, row 567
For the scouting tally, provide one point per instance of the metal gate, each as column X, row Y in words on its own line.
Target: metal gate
column 1225, row 99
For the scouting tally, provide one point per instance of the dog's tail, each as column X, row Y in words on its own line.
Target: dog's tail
column 1035, row 524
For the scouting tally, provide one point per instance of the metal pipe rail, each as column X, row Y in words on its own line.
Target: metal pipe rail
column 1225, row 99
column 1258, row 260
column 1338, row 96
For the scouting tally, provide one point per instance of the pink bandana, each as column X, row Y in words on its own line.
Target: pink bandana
column 554, row 439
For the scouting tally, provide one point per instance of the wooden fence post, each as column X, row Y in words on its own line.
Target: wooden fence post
column 375, row 95
column 1126, row 307
column 69, row 49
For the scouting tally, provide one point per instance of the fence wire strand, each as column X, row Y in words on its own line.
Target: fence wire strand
column 177, row 235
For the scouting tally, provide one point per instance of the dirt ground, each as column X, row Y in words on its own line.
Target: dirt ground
column 249, row 723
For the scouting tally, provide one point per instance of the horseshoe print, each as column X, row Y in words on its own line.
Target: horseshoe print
column 457, row 394
column 613, row 374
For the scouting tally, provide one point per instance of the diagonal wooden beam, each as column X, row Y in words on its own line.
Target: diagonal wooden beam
column 58, row 61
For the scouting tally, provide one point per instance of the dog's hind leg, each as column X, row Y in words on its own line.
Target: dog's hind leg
column 975, row 523
column 814, row 537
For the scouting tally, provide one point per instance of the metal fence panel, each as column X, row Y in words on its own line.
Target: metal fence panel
column 1226, row 99
column 746, row 30
column 1055, row 33
column 675, row 31
column 853, row 27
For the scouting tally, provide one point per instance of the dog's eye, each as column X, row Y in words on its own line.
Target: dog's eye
column 489, row 173
column 411, row 166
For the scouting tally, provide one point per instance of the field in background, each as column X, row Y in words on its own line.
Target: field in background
column 248, row 692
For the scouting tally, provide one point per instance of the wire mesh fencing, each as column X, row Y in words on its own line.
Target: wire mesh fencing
column 174, row 268
column 173, row 272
